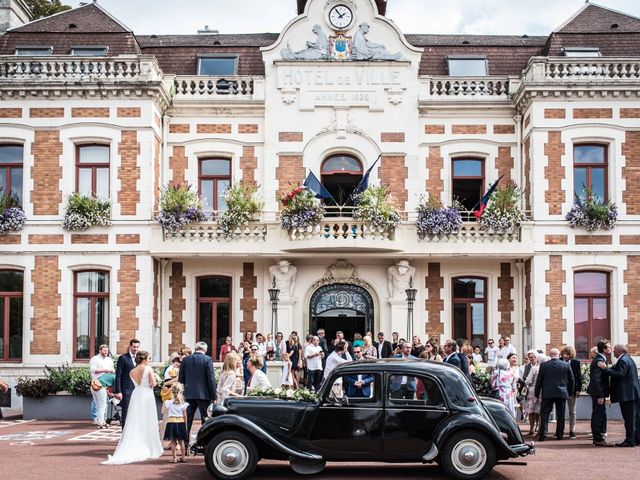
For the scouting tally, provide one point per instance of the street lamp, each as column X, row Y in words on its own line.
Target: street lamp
column 273, row 296
column 411, row 297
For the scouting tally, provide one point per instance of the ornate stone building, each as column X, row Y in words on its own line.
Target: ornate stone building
column 88, row 106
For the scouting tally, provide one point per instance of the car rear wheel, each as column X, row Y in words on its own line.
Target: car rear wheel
column 468, row 455
column 231, row 456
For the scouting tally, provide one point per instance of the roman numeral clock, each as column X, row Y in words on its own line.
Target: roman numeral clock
column 340, row 18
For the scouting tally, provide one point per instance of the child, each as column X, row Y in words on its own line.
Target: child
column 271, row 348
column 287, row 378
column 176, row 430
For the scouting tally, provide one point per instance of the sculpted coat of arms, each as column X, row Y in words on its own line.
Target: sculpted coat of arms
column 340, row 47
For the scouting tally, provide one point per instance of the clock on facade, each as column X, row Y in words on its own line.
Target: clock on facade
column 340, row 17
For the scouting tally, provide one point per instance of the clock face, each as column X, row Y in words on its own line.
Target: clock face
column 340, row 17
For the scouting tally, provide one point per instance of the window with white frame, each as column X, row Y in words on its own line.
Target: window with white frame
column 217, row 65
column 33, row 51
column 467, row 66
column 92, row 170
column 581, row 52
column 89, row 51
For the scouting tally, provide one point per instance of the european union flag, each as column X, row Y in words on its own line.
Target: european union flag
column 314, row 185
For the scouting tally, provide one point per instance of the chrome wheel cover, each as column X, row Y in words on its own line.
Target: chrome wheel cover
column 469, row 456
column 230, row 457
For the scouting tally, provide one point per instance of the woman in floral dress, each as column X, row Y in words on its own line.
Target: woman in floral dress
column 505, row 382
column 532, row 405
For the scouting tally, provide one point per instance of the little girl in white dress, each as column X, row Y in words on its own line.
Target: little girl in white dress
column 287, row 378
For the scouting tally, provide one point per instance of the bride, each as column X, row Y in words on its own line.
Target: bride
column 140, row 437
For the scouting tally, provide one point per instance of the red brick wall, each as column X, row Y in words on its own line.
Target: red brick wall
column 393, row 173
column 246, row 128
column 469, row 129
column 632, row 304
column 630, row 113
column 554, row 173
column 289, row 172
column 90, row 112
column 594, row 239
column 554, row 113
column 46, row 172
column 435, row 164
column 592, row 113
column 434, row 129
column 290, row 136
column 10, row 112
column 46, row 239
column 505, row 304
column 45, row 301
column 629, row 239
column 213, row 128
column 248, row 302
column 434, row 303
column 46, row 112
column 555, row 239
column 177, row 305
column 178, row 164
column 128, row 277
column 156, row 292
column 10, row 239
column 248, row 164
column 504, row 129
column 156, row 173
column 392, row 137
column 504, row 163
column 127, row 238
column 631, row 172
column 93, row 238
column 527, row 293
column 556, row 325
column 129, row 172
column 527, row 174
column 179, row 128
column 128, row 112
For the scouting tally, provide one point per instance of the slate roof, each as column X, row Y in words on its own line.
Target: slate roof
column 593, row 18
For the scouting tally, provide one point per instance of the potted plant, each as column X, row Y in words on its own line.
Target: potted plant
column 12, row 216
column 434, row 219
column 300, row 210
column 179, row 206
column 84, row 212
column 503, row 215
column 375, row 206
column 243, row 206
column 592, row 213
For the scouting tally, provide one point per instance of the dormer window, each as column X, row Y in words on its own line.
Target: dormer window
column 33, row 51
column 468, row 66
column 217, row 65
column 89, row 51
column 581, row 52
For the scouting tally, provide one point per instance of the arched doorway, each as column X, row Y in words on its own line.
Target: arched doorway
column 341, row 306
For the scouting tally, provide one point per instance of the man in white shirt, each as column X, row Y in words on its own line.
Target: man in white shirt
column 313, row 354
column 98, row 366
column 491, row 354
column 336, row 358
column 507, row 349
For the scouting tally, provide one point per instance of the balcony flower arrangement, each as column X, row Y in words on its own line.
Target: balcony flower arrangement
column 84, row 212
column 503, row 214
column 297, row 395
column 592, row 213
column 243, row 206
column 300, row 210
column 12, row 217
column 434, row 219
column 375, row 206
column 179, row 206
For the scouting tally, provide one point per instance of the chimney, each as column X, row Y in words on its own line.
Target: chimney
column 207, row 31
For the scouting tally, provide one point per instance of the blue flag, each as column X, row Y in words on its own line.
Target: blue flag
column 314, row 186
column 485, row 199
column 364, row 183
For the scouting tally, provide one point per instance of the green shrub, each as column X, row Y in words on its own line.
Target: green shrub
column 34, row 387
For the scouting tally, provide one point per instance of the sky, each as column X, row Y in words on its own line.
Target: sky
column 499, row 17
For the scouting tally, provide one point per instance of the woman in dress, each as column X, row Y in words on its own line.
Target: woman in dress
column 140, row 437
column 368, row 350
column 226, row 348
column 293, row 349
column 504, row 381
column 532, row 405
column 431, row 352
column 228, row 385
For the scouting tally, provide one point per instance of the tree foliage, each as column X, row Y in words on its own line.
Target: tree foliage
column 45, row 8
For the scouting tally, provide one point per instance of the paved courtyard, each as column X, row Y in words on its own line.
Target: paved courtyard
column 74, row 450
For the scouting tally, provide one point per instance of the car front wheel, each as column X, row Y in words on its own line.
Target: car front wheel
column 231, row 456
column 468, row 455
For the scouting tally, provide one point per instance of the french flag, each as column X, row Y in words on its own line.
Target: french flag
column 485, row 199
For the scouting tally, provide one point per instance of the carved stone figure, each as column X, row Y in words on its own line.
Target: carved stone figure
column 317, row 50
column 341, row 271
column 285, row 276
column 399, row 276
column 363, row 49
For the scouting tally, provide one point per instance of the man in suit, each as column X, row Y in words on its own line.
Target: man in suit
column 123, row 387
column 453, row 357
column 383, row 347
column 196, row 374
column 403, row 386
column 553, row 385
column 568, row 354
column 358, row 386
column 323, row 346
column 625, row 390
column 599, row 390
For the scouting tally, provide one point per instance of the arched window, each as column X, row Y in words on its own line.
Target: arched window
column 91, row 308
column 11, row 293
column 470, row 310
column 340, row 175
column 467, row 181
column 591, row 310
column 214, row 178
column 214, row 312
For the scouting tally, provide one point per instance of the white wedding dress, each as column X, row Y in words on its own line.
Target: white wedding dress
column 140, row 437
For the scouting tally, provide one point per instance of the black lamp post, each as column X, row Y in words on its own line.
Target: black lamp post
column 411, row 298
column 273, row 296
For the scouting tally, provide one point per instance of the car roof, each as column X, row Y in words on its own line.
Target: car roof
column 398, row 365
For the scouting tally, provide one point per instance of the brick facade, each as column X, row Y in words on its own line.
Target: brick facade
column 469, row 129
column 127, row 238
column 46, row 112
column 220, row 128
column 10, row 113
column 434, row 304
column 527, row 293
column 505, row 303
column 290, row 137
column 248, row 164
column 527, row 174
column 177, row 305
column 89, row 238
column 592, row 113
column 46, row 239
column 504, row 163
column 129, row 172
column 45, row 301
column 554, row 173
column 248, row 302
column 631, row 172
column 390, row 137
column 594, row 239
column 504, row 129
column 393, row 173
column 434, row 129
column 90, row 112
column 289, row 172
column 629, row 239
column 555, row 240
column 128, row 112
column 11, row 239
column 556, row 324
column 46, row 172
column 554, row 113
column 178, row 165
column 179, row 128
column 128, row 300
column 630, row 113
column 247, row 128
column 435, row 164
column 632, row 304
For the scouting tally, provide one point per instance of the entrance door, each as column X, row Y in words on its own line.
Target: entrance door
column 214, row 312
column 344, row 307
column 470, row 311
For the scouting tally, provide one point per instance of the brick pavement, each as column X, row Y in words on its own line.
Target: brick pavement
column 74, row 450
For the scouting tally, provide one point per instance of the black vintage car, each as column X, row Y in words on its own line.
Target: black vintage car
column 377, row 410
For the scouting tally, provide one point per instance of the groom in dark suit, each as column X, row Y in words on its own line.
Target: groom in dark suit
column 554, row 382
column 123, row 387
column 196, row 374
column 599, row 390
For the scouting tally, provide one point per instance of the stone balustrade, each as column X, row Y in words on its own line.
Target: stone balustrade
column 213, row 232
column 468, row 88
column 223, row 88
column 342, row 229
column 473, row 232
column 597, row 69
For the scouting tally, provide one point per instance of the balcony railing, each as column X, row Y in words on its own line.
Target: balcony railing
column 469, row 87
column 588, row 69
column 473, row 232
column 230, row 88
column 342, row 230
column 211, row 231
